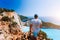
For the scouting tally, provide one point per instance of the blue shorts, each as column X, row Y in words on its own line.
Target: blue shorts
column 35, row 33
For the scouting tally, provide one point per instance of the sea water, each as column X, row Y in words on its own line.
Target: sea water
column 51, row 33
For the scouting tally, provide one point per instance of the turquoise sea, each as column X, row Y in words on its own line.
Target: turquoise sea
column 51, row 33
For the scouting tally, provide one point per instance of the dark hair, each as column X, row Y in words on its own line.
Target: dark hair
column 35, row 16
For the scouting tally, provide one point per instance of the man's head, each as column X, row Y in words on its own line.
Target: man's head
column 35, row 16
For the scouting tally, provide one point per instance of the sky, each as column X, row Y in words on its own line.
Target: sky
column 44, row 8
column 31, row 7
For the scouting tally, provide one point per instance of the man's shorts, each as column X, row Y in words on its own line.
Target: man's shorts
column 35, row 33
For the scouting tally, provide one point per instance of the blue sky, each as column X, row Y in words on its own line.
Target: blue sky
column 44, row 8
column 31, row 7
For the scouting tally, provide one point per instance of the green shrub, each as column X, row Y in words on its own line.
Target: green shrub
column 5, row 18
column 43, row 35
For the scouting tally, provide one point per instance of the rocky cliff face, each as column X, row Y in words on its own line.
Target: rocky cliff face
column 9, row 26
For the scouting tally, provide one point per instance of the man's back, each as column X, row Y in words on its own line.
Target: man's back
column 36, row 24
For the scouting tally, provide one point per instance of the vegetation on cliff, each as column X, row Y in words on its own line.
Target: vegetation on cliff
column 43, row 36
column 23, row 18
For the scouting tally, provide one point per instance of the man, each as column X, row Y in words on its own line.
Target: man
column 35, row 25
